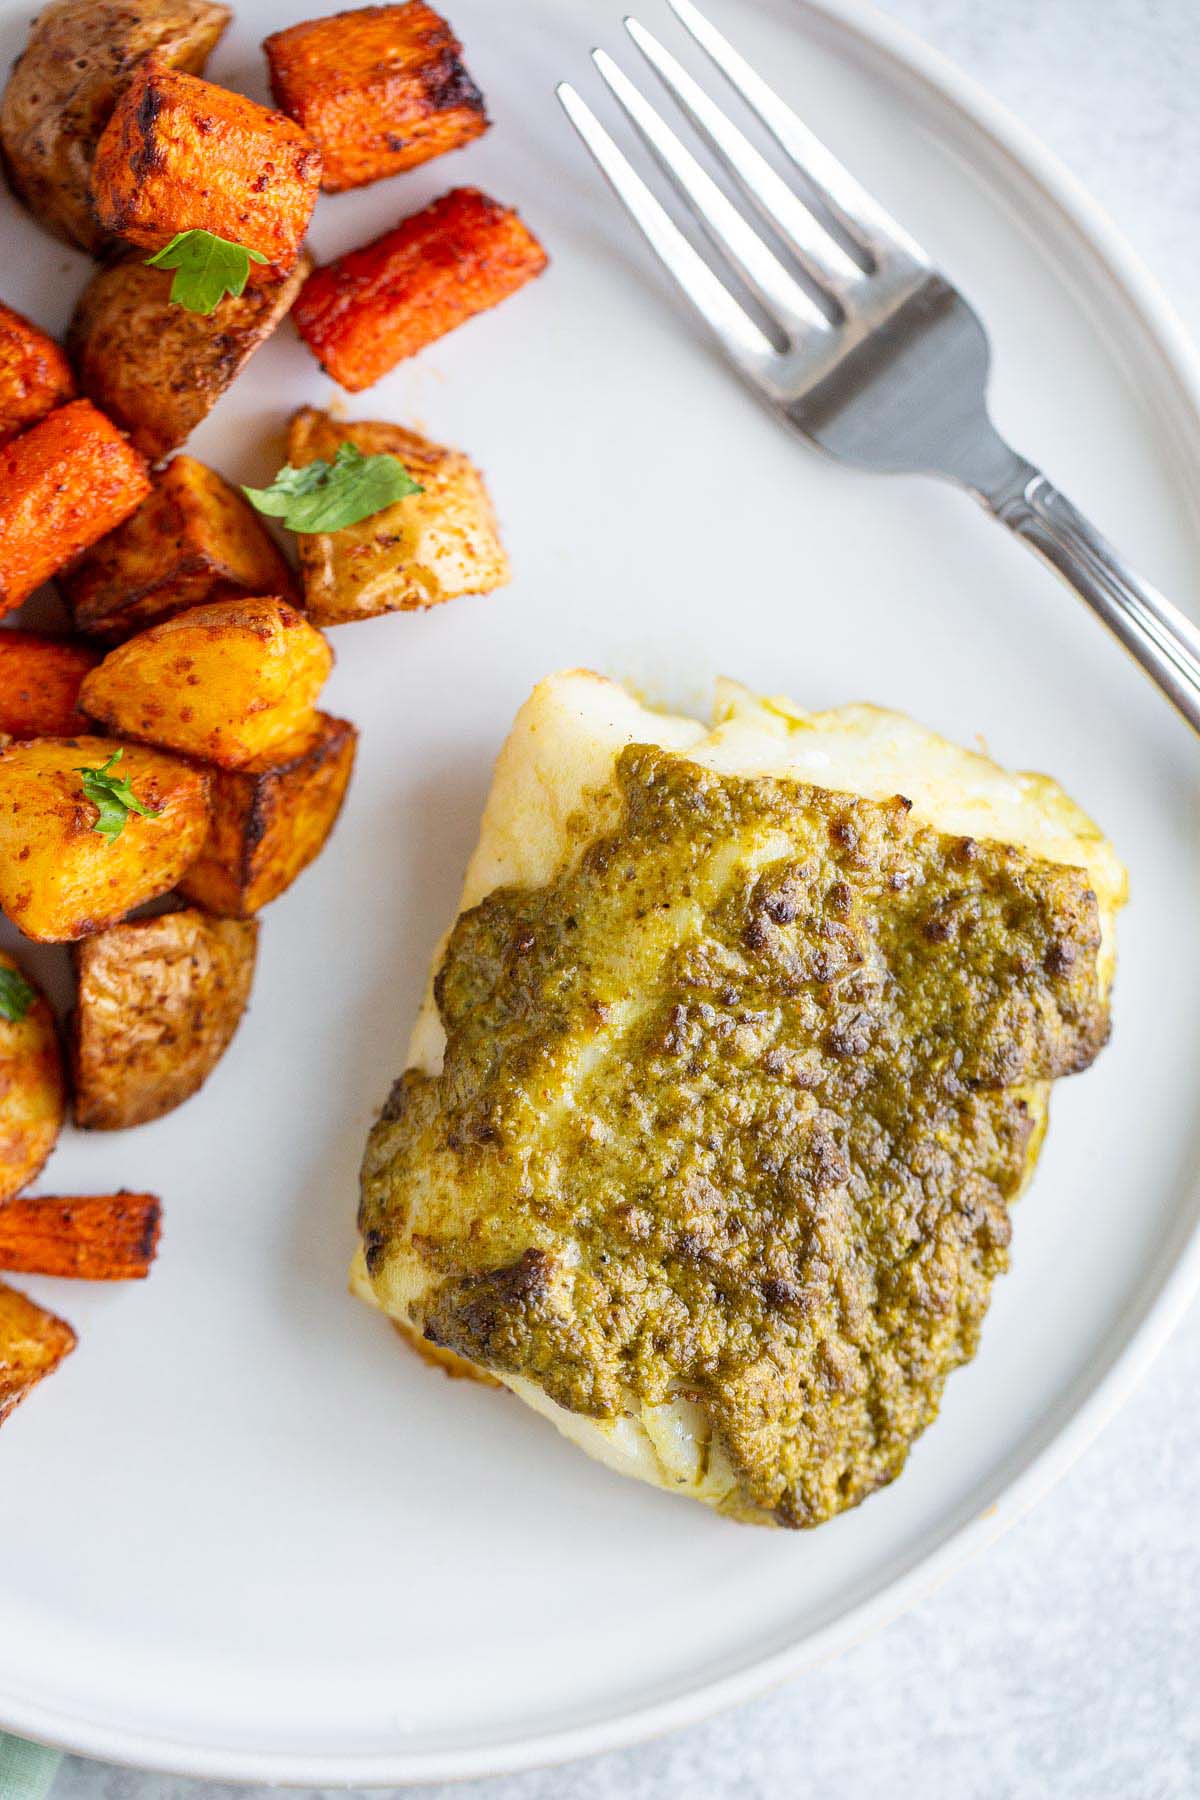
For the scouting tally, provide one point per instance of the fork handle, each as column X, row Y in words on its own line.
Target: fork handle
column 1161, row 638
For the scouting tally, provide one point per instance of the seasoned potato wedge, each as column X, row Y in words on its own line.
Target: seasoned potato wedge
column 32, row 1343
column 32, row 1096
column 40, row 677
column 65, row 83
column 224, row 682
column 159, row 1001
column 426, row 548
column 158, row 369
column 180, row 154
column 64, row 484
column 372, row 307
column 378, row 90
column 270, row 818
column 35, row 375
column 60, row 877
column 92, row 1237
column 193, row 540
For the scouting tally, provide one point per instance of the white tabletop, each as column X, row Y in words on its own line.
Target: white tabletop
column 1066, row 1662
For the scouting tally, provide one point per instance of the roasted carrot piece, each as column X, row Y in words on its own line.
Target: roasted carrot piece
column 376, row 305
column 35, row 375
column 39, row 683
column 64, row 484
column 378, row 90
column 97, row 1237
column 32, row 1343
column 181, row 154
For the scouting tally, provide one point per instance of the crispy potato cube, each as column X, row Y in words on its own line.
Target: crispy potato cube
column 64, row 484
column 181, row 154
column 60, row 878
column 158, row 369
column 159, row 1002
column 377, row 90
column 368, row 310
column 426, row 548
column 271, row 818
column 32, row 1094
column 65, row 84
column 195, row 539
column 35, row 375
column 224, row 682
column 40, row 677
column 32, row 1343
column 94, row 1237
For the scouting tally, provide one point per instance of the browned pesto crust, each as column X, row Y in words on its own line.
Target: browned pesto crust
column 733, row 1110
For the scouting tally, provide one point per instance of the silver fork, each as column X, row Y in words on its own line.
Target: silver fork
column 880, row 361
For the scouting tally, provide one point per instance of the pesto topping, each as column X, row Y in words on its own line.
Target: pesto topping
column 733, row 1110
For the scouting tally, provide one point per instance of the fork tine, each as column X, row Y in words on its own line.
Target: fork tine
column 779, row 292
column 828, row 184
column 823, row 259
column 739, row 336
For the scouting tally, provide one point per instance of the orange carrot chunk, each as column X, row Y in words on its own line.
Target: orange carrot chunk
column 96, row 1237
column 39, row 683
column 376, row 305
column 35, row 375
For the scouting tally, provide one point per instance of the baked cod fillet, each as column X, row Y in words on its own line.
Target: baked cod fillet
column 730, row 1069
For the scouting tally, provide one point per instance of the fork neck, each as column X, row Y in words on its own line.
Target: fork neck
column 989, row 468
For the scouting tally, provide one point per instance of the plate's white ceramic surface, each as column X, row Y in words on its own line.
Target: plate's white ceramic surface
column 242, row 1532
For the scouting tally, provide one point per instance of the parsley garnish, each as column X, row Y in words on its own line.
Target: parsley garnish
column 324, row 496
column 206, row 268
column 113, row 797
column 16, row 995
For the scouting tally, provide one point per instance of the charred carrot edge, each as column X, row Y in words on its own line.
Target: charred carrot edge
column 94, row 1237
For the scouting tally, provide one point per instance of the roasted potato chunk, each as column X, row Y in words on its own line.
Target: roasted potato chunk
column 426, row 548
column 65, row 84
column 368, row 310
column 271, row 818
column 92, row 1237
column 40, row 677
column 64, row 484
column 60, row 877
column 32, row 1096
column 35, row 375
column 193, row 540
column 32, row 1343
column 378, row 90
column 224, row 682
column 159, row 1002
column 158, row 369
column 180, row 154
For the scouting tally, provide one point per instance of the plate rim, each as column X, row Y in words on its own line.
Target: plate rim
column 872, row 37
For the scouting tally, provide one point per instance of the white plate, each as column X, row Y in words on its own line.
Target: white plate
column 242, row 1532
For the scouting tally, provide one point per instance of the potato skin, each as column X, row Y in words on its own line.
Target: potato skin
column 159, row 1002
column 65, row 84
column 378, row 89
column 32, row 1343
column 425, row 549
column 35, row 375
column 194, row 539
column 180, row 154
column 32, row 1091
column 157, row 369
column 224, row 682
column 59, row 878
column 64, row 484
column 271, row 818
column 40, row 678
column 371, row 308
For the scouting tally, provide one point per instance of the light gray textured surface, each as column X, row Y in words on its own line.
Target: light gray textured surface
column 1066, row 1662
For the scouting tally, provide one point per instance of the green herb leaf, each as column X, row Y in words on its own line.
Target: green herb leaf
column 324, row 496
column 114, row 798
column 206, row 268
column 16, row 995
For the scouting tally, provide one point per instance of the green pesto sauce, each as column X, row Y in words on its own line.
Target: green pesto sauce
column 733, row 1109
